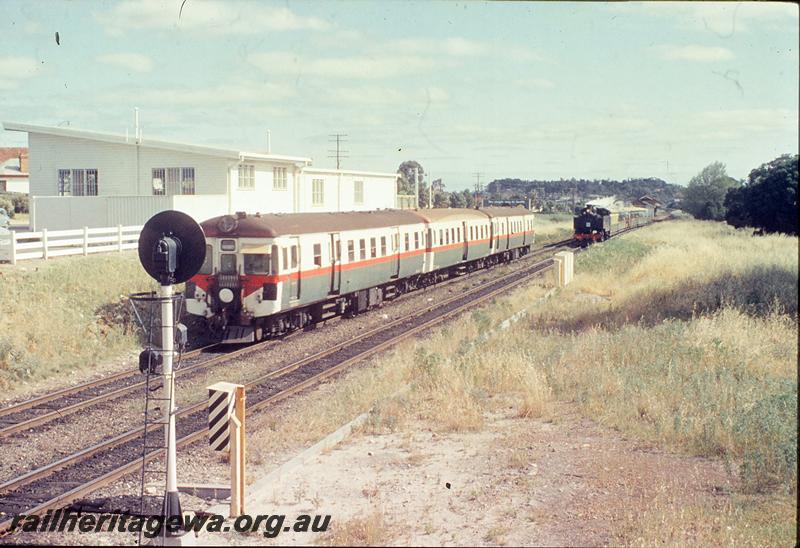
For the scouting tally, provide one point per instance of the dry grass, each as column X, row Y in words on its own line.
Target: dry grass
column 370, row 530
column 660, row 356
column 65, row 314
column 728, row 521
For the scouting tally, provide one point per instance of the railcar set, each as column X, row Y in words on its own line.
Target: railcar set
column 265, row 275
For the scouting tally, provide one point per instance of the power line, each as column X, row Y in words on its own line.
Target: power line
column 339, row 154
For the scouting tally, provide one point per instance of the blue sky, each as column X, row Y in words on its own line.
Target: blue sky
column 522, row 89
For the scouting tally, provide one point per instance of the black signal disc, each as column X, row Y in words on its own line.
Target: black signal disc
column 182, row 227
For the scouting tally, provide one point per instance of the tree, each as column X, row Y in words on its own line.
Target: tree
column 469, row 199
column 423, row 194
column 705, row 195
column 406, row 171
column 457, row 200
column 769, row 198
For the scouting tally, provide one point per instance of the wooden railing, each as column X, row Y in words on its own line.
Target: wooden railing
column 18, row 246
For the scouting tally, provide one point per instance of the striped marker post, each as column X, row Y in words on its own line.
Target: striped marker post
column 226, row 433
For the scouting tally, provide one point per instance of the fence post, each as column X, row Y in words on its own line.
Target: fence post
column 44, row 244
column 119, row 238
column 13, row 257
column 86, row 240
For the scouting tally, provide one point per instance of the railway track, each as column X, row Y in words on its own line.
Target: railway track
column 38, row 490
column 42, row 410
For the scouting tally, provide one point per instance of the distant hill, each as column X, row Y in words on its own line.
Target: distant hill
column 558, row 195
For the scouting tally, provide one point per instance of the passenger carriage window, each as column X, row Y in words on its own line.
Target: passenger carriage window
column 294, row 256
column 458, row 234
column 286, row 258
column 453, row 235
column 338, row 250
column 407, row 244
column 372, row 248
column 441, row 236
column 351, row 252
column 394, row 242
column 416, row 240
column 317, row 254
column 362, row 248
column 208, row 262
column 383, row 246
column 256, row 263
column 274, row 262
column 227, row 263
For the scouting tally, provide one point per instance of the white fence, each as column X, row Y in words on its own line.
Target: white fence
column 17, row 246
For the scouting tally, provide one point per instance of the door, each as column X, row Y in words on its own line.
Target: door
column 335, row 251
column 396, row 251
column 294, row 269
column 464, row 233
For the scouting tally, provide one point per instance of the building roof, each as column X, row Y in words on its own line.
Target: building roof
column 322, row 170
column 152, row 143
column 275, row 224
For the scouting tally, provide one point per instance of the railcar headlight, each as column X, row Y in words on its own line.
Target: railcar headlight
column 225, row 295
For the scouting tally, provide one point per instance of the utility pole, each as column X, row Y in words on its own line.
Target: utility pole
column 416, row 187
column 339, row 138
column 478, row 189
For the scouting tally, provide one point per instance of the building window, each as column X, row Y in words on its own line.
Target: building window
column 171, row 181
column 77, row 182
column 278, row 178
column 247, row 177
column 358, row 188
column 187, row 180
column 317, row 192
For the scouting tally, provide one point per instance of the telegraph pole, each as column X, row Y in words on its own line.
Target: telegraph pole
column 338, row 138
column 478, row 188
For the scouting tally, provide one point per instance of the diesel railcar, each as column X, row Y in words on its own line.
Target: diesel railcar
column 265, row 275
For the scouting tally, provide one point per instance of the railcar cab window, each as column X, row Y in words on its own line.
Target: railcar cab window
column 227, row 263
column 256, row 263
column 208, row 262
column 317, row 255
column 228, row 245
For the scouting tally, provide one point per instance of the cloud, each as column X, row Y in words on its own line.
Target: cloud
column 14, row 70
column 366, row 67
column 135, row 62
column 212, row 16
column 701, row 54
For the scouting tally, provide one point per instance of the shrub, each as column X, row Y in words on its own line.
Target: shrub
column 7, row 204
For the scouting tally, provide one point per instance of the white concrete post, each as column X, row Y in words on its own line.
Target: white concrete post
column 44, row 243
column 86, row 240
column 237, row 455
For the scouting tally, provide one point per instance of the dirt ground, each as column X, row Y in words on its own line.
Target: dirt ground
column 564, row 482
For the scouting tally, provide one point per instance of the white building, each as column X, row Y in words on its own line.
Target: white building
column 84, row 178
